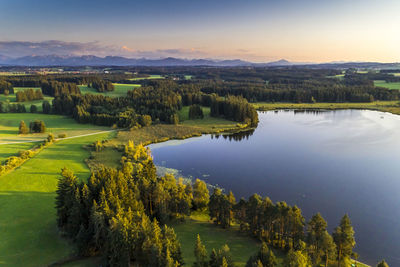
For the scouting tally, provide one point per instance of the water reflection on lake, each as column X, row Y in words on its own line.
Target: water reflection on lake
column 333, row 162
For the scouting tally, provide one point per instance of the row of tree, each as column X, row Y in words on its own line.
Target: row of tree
column 6, row 107
column 234, row 108
column 101, row 85
column 36, row 126
column 55, row 88
column 29, row 95
column 284, row 227
column 6, row 88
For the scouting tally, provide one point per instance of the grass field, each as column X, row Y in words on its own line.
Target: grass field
column 12, row 98
column 385, row 106
column 242, row 246
column 392, row 86
column 153, row 76
column 55, row 124
column 120, row 90
column 207, row 122
column 339, row 76
column 28, row 219
column 12, row 150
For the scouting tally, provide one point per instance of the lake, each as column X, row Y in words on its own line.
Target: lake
column 332, row 162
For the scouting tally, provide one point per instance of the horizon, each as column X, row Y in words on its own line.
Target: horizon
column 261, row 31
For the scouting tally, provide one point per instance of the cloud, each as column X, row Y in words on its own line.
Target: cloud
column 51, row 47
column 62, row 48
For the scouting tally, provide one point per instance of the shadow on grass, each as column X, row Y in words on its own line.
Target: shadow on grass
column 29, row 233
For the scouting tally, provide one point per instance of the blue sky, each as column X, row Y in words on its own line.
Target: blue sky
column 258, row 30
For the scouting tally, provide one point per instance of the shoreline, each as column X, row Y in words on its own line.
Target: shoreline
column 392, row 107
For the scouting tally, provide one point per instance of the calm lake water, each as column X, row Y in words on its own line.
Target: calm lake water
column 332, row 162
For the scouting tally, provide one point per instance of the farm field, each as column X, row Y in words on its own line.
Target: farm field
column 120, row 90
column 13, row 149
column 153, row 76
column 27, row 199
column 392, row 86
column 338, row 76
column 55, row 124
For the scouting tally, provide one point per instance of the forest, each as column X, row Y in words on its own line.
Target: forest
column 122, row 215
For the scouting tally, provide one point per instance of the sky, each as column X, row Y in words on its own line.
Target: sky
column 254, row 30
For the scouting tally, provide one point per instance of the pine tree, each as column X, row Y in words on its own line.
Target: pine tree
column 382, row 264
column 200, row 253
column 264, row 255
column 66, row 188
column 46, row 107
column 316, row 229
column 297, row 259
column 23, row 129
column 328, row 247
column 201, row 195
column 344, row 239
column 33, row 108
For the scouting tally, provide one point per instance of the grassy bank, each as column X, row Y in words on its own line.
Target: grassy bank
column 242, row 246
column 384, row 106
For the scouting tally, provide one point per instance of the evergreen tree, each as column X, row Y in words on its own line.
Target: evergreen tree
column 328, row 247
column 66, row 188
column 382, row 264
column 33, row 109
column 344, row 239
column 23, row 129
column 297, row 259
column 200, row 253
column 200, row 195
column 46, row 107
column 316, row 229
column 265, row 256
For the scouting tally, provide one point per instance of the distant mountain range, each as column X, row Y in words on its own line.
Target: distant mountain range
column 90, row 60
column 56, row 60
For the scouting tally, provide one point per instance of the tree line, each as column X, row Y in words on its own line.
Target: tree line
column 6, row 88
column 101, row 85
column 29, row 95
column 55, row 88
column 283, row 227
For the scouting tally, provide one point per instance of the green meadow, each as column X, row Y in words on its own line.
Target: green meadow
column 153, row 76
column 29, row 233
column 213, row 237
column 13, row 149
column 12, row 98
column 56, row 124
column 206, row 121
column 338, row 76
column 120, row 90
column 392, row 86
